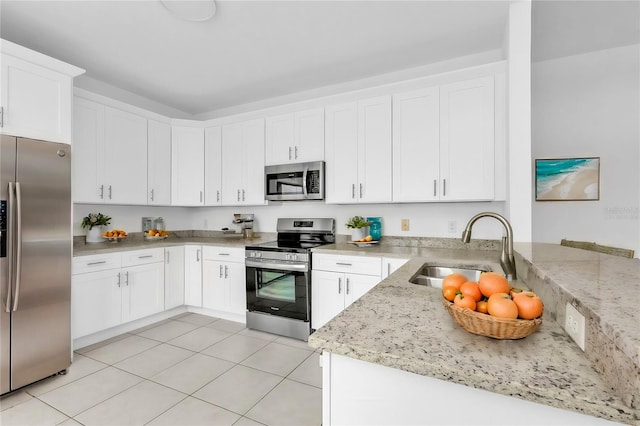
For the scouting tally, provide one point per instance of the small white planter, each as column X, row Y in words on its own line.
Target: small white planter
column 359, row 233
column 94, row 235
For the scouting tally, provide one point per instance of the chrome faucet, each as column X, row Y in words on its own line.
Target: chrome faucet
column 507, row 261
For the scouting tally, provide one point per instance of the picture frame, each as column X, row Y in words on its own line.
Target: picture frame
column 567, row 179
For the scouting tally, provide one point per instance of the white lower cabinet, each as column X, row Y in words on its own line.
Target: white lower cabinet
column 173, row 277
column 114, row 288
column 193, row 276
column 223, row 279
column 338, row 281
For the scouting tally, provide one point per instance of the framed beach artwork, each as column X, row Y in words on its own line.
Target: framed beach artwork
column 568, row 179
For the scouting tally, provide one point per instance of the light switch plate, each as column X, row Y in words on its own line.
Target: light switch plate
column 574, row 324
column 404, row 224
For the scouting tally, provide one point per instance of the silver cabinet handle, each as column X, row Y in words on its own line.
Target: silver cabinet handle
column 220, row 271
column 102, row 192
column 360, row 190
column 243, row 195
column 289, row 153
column 353, row 190
column 1, row 116
column 146, row 256
column 200, row 196
column 110, row 191
column 167, row 255
column 224, row 254
column 339, row 285
column 347, row 285
column 10, row 247
column 152, row 195
column 198, row 255
column 226, row 271
column 295, row 151
column 101, row 262
column 444, row 187
column 218, row 195
column 435, row 184
column 388, row 269
column 344, row 264
column 238, row 195
column 126, row 278
column 16, row 295
column 118, row 279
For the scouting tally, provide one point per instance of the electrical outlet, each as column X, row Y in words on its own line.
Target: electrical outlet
column 404, row 224
column 574, row 325
column 452, row 226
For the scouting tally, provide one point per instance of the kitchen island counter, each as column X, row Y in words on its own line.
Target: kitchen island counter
column 405, row 326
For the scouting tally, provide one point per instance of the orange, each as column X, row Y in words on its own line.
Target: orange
column 492, row 282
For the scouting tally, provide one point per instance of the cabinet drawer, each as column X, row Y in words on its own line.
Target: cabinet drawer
column 95, row 262
column 142, row 257
column 366, row 265
column 224, row 254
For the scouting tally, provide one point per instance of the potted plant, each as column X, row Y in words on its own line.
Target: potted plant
column 94, row 222
column 359, row 227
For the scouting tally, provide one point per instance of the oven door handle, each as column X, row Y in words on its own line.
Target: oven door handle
column 275, row 265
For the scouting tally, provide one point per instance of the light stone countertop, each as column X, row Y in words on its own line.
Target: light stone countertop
column 403, row 325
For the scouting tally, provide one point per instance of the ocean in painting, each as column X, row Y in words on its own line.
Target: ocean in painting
column 556, row 179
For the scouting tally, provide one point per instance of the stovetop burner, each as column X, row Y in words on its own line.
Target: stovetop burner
column 299, row 235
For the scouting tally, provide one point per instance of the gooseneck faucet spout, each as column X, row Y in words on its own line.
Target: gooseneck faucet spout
column 507, row 260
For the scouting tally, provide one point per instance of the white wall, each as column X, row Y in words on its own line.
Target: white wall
column 582, row 106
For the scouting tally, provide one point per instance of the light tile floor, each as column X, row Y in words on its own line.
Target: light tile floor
column 188, row 370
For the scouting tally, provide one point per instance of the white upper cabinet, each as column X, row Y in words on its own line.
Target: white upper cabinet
column 35, row 94
column 213, row 166
column 125, row 157
column 416, row 145
column 295, row 138
column 358, row 152
column 158, row 163
column 467, row 145
column 109, row 155
column 187, row 166
column 243, row 163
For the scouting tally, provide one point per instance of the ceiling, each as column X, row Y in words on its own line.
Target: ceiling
column 250, row 50
column 256, row 50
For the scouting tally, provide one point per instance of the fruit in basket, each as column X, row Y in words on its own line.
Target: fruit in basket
column 472, row 290
column 481, row 307
column 529, row 305
column 500, row 305
column 454, row 280
column 449, row 293
column 492, row 282
column 464, row 302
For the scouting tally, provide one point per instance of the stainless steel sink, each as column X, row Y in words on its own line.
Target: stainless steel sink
column 432, row 275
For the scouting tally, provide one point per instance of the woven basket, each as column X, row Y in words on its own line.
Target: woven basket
column 487, row 325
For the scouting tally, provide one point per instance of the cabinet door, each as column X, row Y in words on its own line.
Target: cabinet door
column 213, row 166
column 125, row 157
column 467, row 140
column 416, row 145
column 36, row 101
column 237, row 287
column 88, row 152
column 193, row 276
column 390, row 265
column 231, row 164
column 341, row 153
column 96, row 302
column 279, row 140
column 143, row 293
column 309, row 136
column 253, row 165
column 374, row 150
column 357, row 286
column 327, row 296
column 158, row 163
column 187, row 166
column 173, row 277
column 214, row 285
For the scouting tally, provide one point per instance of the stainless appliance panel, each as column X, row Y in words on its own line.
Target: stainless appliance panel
column 7, row 174
column 290, row 182
column 41, row 323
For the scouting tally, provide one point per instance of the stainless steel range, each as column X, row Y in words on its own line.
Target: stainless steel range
column 279, row 277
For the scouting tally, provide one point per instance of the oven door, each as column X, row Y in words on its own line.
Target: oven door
column 278, row 288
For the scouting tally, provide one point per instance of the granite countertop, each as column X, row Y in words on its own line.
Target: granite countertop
column 403, row 325
column 136, row 241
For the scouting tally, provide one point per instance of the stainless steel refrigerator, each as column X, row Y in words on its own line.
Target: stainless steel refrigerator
column 35, row 260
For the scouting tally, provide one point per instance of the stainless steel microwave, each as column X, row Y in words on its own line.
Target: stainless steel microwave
column 289, row 182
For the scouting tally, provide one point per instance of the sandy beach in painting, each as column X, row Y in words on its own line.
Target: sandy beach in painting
column 582, row 184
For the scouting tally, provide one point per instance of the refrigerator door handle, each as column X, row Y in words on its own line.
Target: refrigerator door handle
column 10, row 245
column 16, row 295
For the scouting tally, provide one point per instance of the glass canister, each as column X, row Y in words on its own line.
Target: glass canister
column 375, row 229
column 158, row 224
